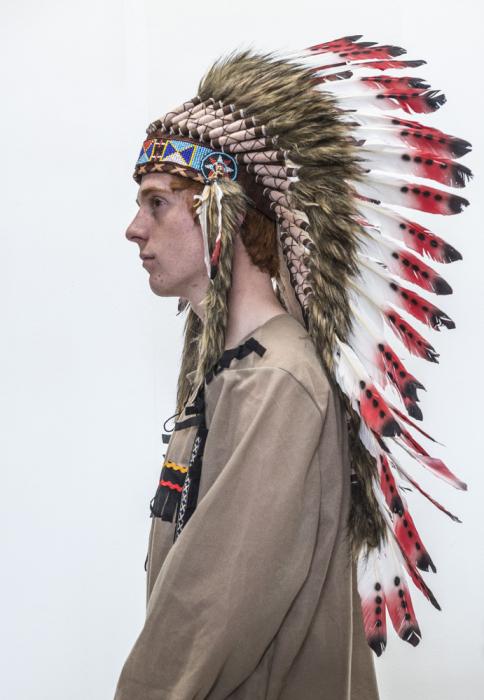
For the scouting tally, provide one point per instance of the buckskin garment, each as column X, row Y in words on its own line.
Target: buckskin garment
column 256, row 598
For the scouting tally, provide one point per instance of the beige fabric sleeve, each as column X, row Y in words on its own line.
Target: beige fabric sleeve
column 226, row 585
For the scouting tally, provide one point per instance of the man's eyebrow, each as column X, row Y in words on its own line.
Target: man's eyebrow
column 142, row 194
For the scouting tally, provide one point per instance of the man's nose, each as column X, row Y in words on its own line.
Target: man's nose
column 137, row 230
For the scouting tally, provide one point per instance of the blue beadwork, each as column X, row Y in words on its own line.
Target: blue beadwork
column 205, row 160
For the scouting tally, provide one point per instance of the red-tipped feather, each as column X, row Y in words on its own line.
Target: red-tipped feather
column 381, row 286
column 335, row 45
column 398, row 598
column 428, row 134
column 350, row 49
column 412, row 269
column 412, row 408
column 434, row 464
column 420, row 308
column 375, row 413
column 369, row 343
column 407, row 420
column 417, row 162
column 404, row 382
column 332, row 77
column 412, row 124
column 411, row 100
column 405, row 264
column 415, row 343
column 377, row 82
column 411, row 542
column 394, row 131
column 355, row 382
column 367, row 50
column 370, row 65
column 409, row 194
column 411, row 233
column 404, row 528
column 389, row 487
column 419, row 582
column 433, row 140
column 418, row 100
column 411, row 569
column 388, row 64
column 416, row 485
column 373, row 603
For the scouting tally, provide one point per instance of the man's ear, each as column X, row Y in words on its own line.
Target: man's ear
column 241, row 218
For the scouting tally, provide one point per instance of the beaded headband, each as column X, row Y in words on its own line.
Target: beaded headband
column 179, row 155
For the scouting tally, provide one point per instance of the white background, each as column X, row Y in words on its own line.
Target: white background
column 89, row 357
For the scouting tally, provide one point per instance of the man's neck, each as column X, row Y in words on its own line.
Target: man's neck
column 251, row 299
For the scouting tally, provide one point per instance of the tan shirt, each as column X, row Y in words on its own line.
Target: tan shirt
column 257, row 597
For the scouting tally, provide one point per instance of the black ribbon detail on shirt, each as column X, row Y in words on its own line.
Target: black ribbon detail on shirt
column 179, row 491
column 250, row 345
column 172, row 480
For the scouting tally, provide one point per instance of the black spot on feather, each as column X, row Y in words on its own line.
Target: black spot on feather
column 441, row 286
column 450, row 254
column 435, row 100
column 414, row 411
column 456, row 204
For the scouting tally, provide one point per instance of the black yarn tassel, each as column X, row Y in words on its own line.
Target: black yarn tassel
column 167, row 495
column 164, row 503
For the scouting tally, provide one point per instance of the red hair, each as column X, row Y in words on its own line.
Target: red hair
column 258, row 232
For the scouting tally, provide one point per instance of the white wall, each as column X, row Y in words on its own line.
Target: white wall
column 89, row 356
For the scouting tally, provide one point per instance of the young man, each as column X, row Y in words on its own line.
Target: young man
column 277, row 518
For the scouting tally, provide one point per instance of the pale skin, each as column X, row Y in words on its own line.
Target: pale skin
column 171, row 239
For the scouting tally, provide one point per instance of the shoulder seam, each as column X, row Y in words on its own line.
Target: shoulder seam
column 290, row 374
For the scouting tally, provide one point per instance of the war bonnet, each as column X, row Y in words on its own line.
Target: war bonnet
column 312, row 146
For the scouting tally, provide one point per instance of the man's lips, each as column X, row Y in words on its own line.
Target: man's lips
column 147, row 260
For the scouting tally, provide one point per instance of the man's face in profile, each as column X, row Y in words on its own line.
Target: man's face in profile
column 169, row 238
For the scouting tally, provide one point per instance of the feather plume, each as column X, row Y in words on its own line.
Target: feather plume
column 396, row 131
column 433, row 464
column 405, row 475
column 409, row 194
column 404, row 264
column 416, row 162
column 409, row 233
column 415, row 343
column 363, row 393
column 369, row 344
column 373, row 600
column 385, row 288
column 411, row 100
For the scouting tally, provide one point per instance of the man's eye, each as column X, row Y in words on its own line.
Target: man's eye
column 157, row 202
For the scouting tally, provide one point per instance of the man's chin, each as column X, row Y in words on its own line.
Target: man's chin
column 160, row 289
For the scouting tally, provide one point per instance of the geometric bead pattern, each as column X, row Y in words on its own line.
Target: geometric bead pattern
column 173, row 151
column 204, row 160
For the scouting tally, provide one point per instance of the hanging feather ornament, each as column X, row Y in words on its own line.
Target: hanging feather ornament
column 209, row 210
column 204, row 201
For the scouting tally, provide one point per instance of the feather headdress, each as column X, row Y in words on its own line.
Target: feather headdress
column 314, row 148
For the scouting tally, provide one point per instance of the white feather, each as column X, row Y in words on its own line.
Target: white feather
column 348, row 372
column 374, row 120
column 202, row 212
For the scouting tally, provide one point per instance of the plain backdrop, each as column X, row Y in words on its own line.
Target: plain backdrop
column 89, row 356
